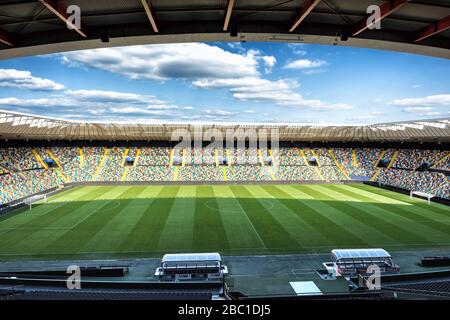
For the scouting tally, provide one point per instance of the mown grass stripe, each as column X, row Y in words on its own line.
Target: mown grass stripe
column 118, row 227
column 412, row 204
column 318, row 228
column 178, row 231
column 239, row 229
column 36, row 225
column 435, row 207
column 50, row 227
column 154, row 220
column 325, row 219
column 26, row 216
column 291, row 222
column 73, row 240
column 365, row 214
column 409, row 212
column 209, row 231
column 271, row 231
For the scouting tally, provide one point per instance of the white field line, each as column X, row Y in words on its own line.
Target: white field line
column 413, row 245
column 95, row 211
column 251, row 223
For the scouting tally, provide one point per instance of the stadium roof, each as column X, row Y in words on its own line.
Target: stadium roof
column 21, row 126
column 32, row 27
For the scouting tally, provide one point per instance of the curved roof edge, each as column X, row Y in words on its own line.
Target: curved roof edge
column 378, row 44
column 21, row 126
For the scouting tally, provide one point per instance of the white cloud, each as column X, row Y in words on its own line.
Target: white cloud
column 297, row 48
column 312, row 71
column 169, row 61
column 436, row 100
column 39, row 102
column 236, row 46
column 25, row 80
column 218, row 112
column 94, row 103
column 305, row 64
column 207, row 67
column 269, row 63
column 417, row 109
column 111, row 96
column 279, row 92
column 362, row 119
column 134, row 110
column 422, row 111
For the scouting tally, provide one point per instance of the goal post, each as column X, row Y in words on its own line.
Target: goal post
column 429, row 196
column 35, row 199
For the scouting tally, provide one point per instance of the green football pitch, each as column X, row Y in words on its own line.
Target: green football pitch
column 147, row 221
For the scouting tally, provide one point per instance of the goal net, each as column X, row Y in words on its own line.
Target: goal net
column 30, row 201
column 428, row 196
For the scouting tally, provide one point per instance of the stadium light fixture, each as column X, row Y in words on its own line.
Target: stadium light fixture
column 387, row 8
column 304, row 12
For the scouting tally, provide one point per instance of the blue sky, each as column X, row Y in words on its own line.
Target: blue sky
column 228, row 82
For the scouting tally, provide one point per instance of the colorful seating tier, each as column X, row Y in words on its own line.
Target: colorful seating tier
column 248, row 173
column 150, row 173
column 154, row 156
column 291, row 157
column 444, row 164
column 113, row 169
column 20, row 158
column 358, row 162
column 413, row 158
column 23, row 184
column 200, row 173
column 429, row 182
column 197, row 156
column 296, row 173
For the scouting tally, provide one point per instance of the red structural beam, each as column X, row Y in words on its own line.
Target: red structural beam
column 148, row 10
column 305, row 10
column 60, row 10
column 433, row 29
column 386, row 9
column 228, row 15
column 4, row 38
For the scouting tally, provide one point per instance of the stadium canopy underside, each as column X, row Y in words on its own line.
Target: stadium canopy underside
column 33, row 27
column 18, row 126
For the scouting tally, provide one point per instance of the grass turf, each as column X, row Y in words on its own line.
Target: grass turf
column 146, row 221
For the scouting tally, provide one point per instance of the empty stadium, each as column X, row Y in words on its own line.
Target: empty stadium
column 88, row 179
